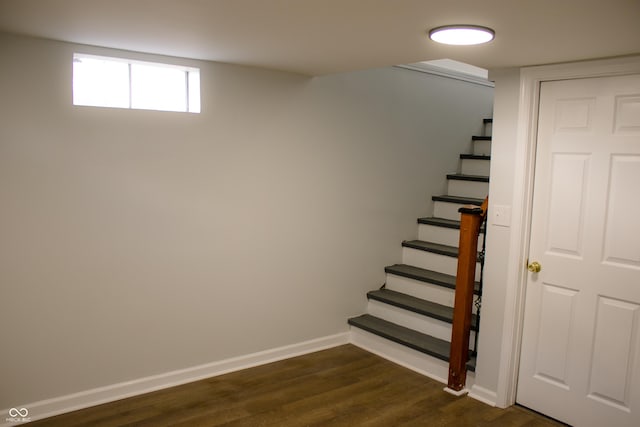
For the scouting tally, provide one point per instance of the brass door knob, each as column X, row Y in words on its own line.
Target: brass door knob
column 534, row 267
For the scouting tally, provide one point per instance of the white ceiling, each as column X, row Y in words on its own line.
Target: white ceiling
column 317, row 37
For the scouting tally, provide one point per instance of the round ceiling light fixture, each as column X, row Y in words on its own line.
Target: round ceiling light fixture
column 462, row 35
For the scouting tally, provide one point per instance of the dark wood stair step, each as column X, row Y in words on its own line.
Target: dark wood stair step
column 408, row 302
column 475, row 157
column 457, row 199
column 487, row 121
column 443, row 222
column 480, row 138
column 440, row 222
column 424, row 275
column 463, row 177
column 423, row 343
column 435, row 248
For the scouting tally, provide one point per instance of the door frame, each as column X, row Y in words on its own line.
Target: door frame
column 526, row 139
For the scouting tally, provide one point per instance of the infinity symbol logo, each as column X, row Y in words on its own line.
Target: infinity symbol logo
column 15, row 412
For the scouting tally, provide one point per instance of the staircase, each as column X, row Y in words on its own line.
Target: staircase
column 408, row 320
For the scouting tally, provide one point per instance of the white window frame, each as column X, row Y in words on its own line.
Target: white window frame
column 191, row 90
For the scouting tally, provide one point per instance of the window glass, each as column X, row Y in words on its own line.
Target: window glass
column 100, row 82
column 194, row 91
column 122, row 83
column 158, row 88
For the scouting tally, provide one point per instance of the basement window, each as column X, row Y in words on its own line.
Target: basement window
column 100, row 81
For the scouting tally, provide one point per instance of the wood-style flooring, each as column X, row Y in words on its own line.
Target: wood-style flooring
column 342, row 386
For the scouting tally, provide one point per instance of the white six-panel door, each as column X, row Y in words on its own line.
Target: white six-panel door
column 580, row 354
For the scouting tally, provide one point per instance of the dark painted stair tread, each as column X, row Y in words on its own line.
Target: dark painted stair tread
column 423, row 343
column 481, row 138
column 463, row 177
column 416, row 305
column 487, row 120
column 458, row 199
column 436, row 248
column 475, row 156
column 443, row 222
column 424, row 275
column 440, row 222
column 416, row 340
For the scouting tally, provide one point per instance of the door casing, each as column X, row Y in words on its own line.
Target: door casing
column 530, row 80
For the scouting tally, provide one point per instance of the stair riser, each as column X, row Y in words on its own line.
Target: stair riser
column 482, row 147
column 447, row 210
column 423, row 290
column 424, row 364
column 467, row 188
column 432, row 261
column 442, row 235
column 417, row 322
column 488, row 129
column 475, row 167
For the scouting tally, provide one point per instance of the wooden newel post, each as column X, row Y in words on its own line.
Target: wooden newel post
column 470, row 221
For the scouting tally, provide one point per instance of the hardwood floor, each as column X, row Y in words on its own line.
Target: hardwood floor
column 342, row 386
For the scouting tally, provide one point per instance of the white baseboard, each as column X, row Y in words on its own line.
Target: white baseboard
column 483, row 395
column 395, row 353
column 456, row 393
column 72, row 402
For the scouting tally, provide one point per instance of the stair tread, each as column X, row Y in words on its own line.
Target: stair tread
column 416, row 340
column 424, row 275
column 423, row 343
column 436, row 248
column 475, row 156
column 440, row 222
column 443, row 222
column 417, row 305
column 487, row 120
column 481, row 138
column 458, row 199
column 464, row 177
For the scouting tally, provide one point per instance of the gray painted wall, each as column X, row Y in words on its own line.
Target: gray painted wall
column 137, row 242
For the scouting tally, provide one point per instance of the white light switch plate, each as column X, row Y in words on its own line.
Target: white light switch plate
column 501, row 215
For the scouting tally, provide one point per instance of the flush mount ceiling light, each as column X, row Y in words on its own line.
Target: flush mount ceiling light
column 462, row 35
